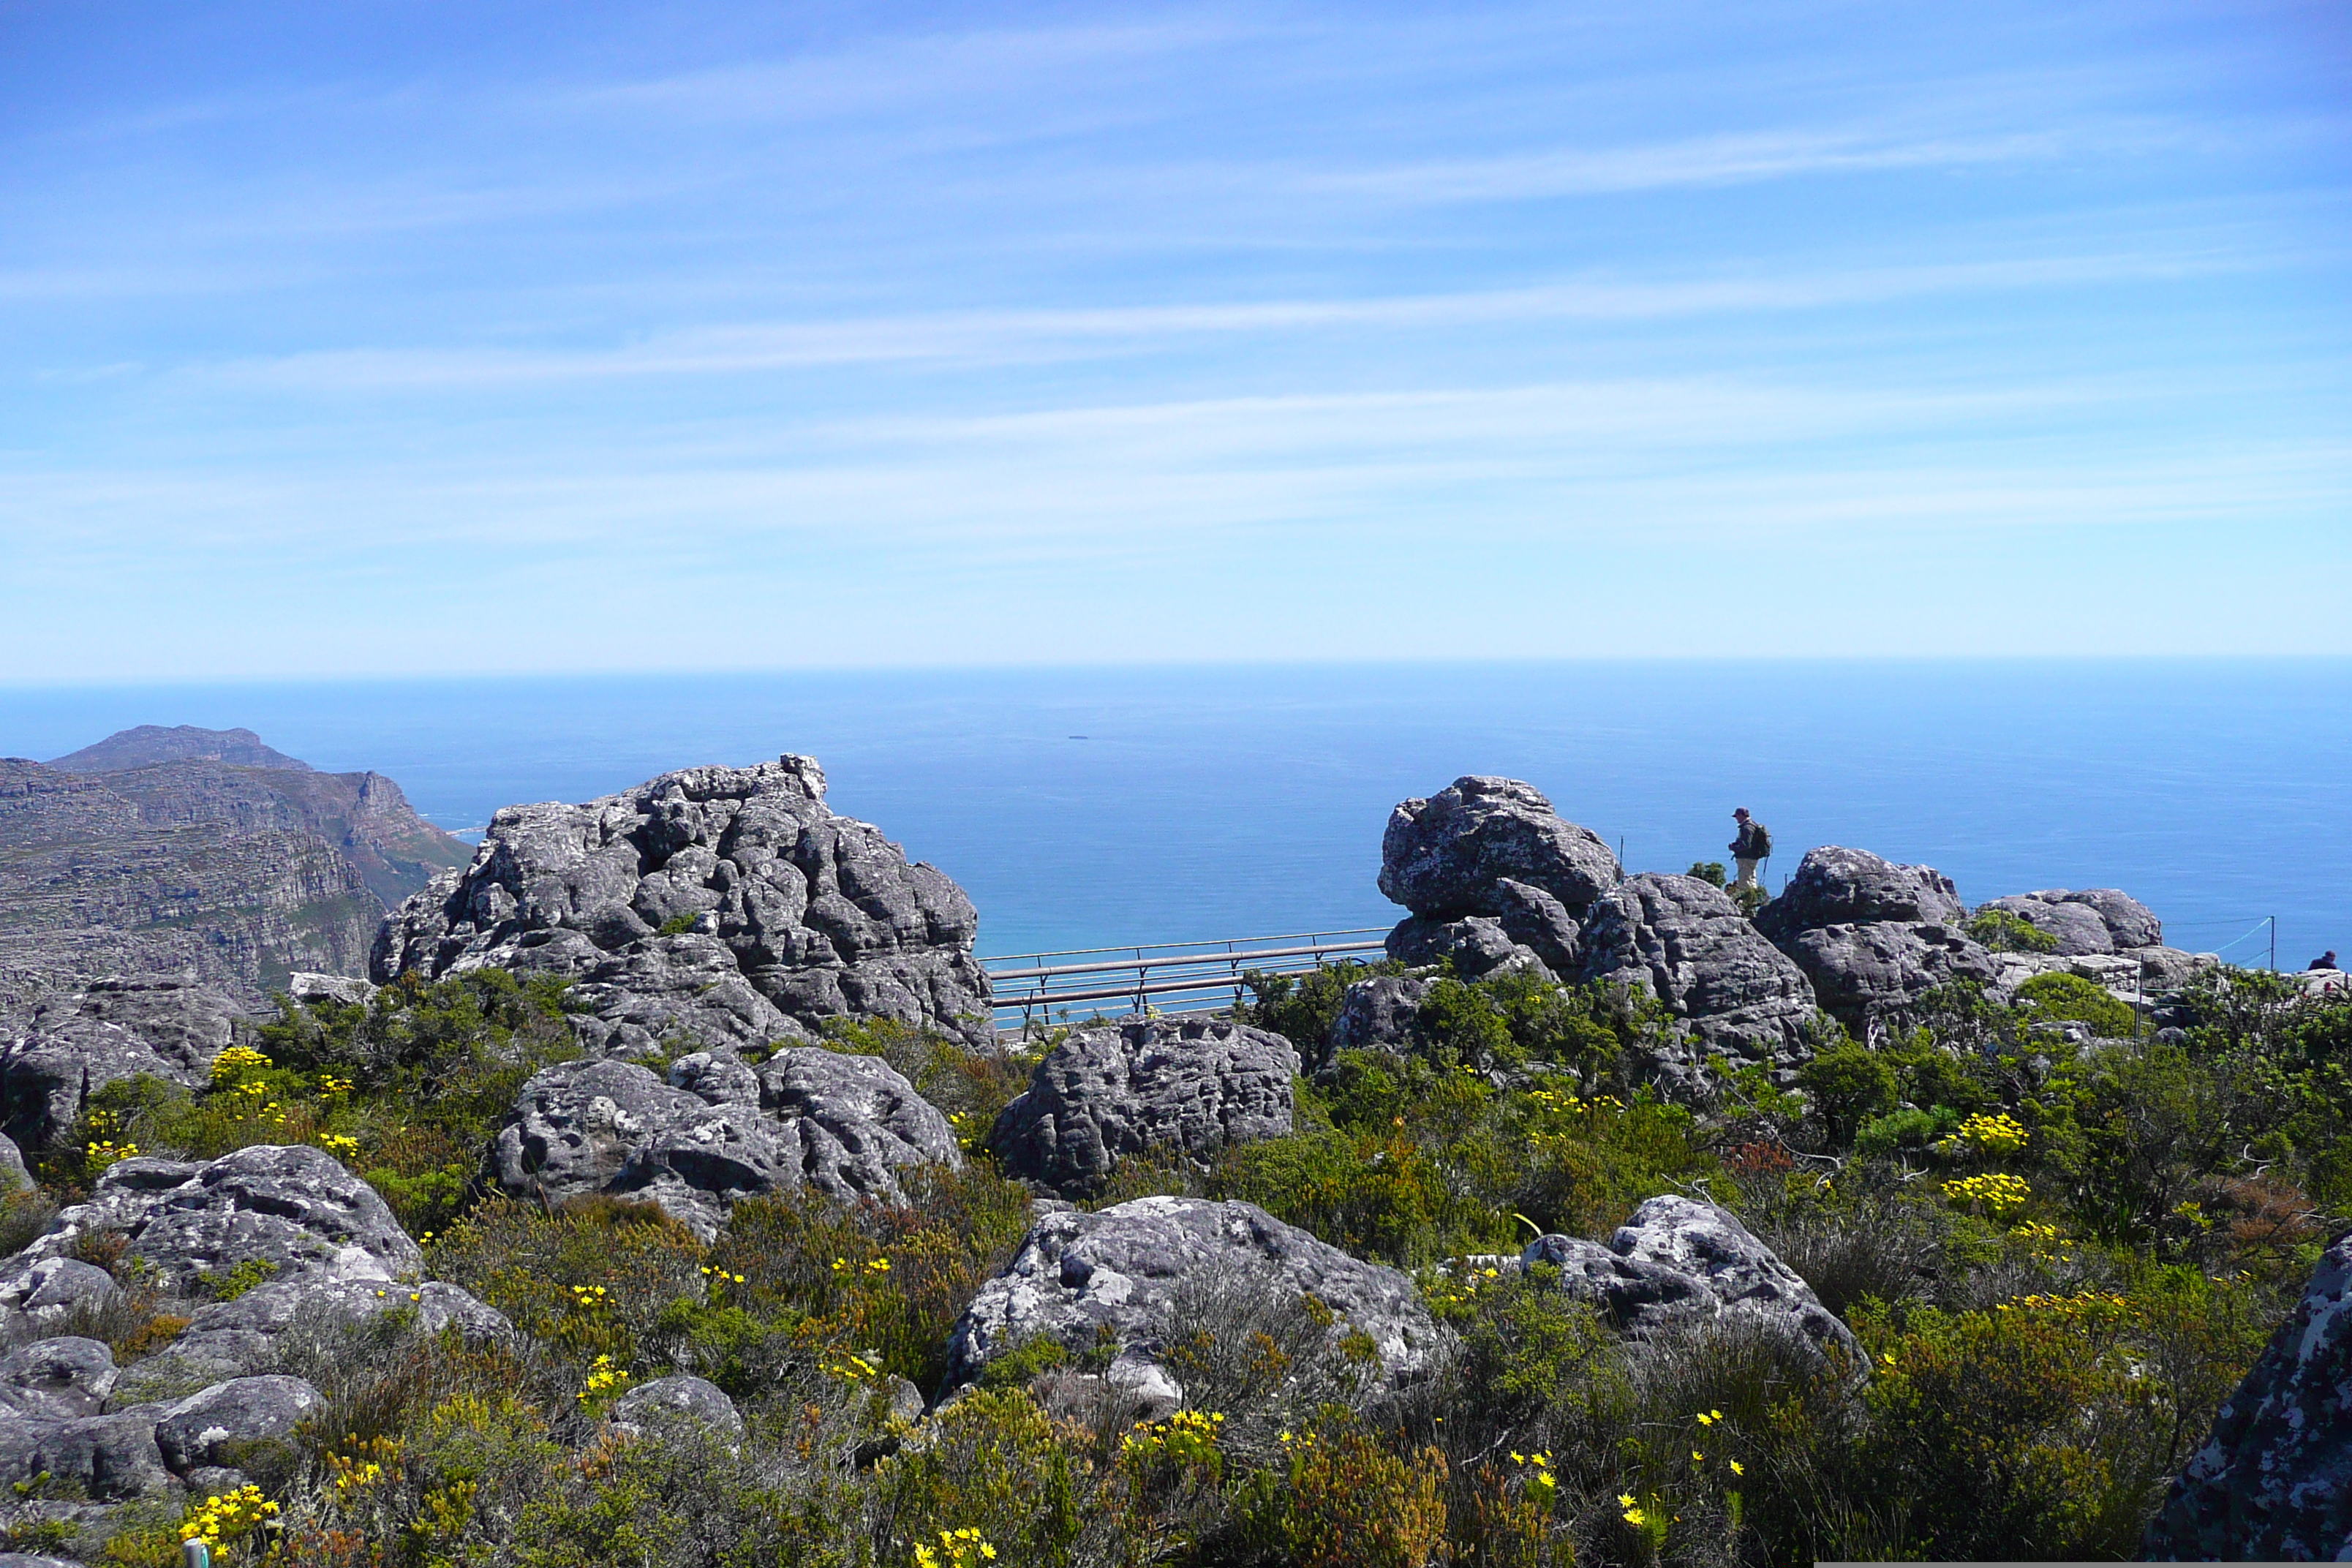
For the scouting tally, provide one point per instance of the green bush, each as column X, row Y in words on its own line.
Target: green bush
column 2003, row 931
column 1849, row 1085
column 2070, row 997
column 1302, row 1008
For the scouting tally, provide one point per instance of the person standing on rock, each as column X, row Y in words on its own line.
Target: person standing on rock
column 1752, row 847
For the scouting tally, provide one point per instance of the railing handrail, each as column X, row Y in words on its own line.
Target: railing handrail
column 1140, row 947
column 1226, row 958
column 1164, row 969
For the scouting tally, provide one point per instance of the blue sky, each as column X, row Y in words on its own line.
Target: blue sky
column 376, row 338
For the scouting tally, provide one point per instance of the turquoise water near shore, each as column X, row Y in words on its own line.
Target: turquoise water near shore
column 1084, row 807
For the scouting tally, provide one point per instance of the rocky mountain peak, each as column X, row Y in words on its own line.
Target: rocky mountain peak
column 148, row 744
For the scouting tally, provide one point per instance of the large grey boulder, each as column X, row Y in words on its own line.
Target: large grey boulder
column 292, row 1207
column 1377, row 1011
column 1679, row 1262
column 664, row 989
column 1448, row 854
column 1475, row 946
column 2093, row 920
column 2274, row 1482
column 808, row 1117
column 226, row 1339
column 74, row 1045
column 58, row 1379
column 1114, row 1277
column 1193, row 1086
column 1835, row 886
column 1863, row 973
column 819, row 914
column 39, row 1290
column 1539, row 923
column 107, row 1457
column 1685, row 942
column 211, row 1427
column 677, row 1404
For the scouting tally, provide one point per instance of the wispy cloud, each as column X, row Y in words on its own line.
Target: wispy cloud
column 981, row 337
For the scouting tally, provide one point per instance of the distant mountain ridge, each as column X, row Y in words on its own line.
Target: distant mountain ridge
column 151, row 743
column 149, row 856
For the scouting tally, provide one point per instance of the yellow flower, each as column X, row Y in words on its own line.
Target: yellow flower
column 1737, row 1468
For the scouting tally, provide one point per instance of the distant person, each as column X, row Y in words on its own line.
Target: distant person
column 2325, row 960
column 1753, row 845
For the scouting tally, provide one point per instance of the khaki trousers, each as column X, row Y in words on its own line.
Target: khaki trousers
column 1747, row 878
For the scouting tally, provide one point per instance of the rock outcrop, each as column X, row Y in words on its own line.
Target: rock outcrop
column 1871, row 935
column 1861, row 972
column 56, row 1379
column 1493, row 877
column 1114, row 1277
column 1685, row 942
column 2093, row 921
column 1447, row 855
column 1835, row 886
column 40, row 1290
column 1191, row 1086
column 807, row 1117
column 145, row 1450
column 819, row 915
column 212, row 1428
column 1476, row 946
column 291, row 1208
column 225, row 1338
column 677, row 1404
column 77, row 1043
column 2274, row 1480
column 1377, row 1012
column 1679, row 1262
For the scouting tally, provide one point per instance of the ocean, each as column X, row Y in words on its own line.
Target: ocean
column 1109, row 805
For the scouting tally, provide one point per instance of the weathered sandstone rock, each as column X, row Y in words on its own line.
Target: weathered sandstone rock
column 1861, row 972
column 58, row 1379
column 166, row 1027
column 1448, row 854
column 820, row 914
column 844, row 1124
column 672, row 1403
column 1836, row 886
column 1687, row 943
column 1376, row 1012
column 2274, row 1482
column 1679, row 1262
column 1193, row 1086
column 1114, row 1275
column 294, row 1208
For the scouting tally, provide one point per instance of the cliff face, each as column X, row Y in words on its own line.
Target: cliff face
column 199, row 852
column 364, row 816
column 87, row 888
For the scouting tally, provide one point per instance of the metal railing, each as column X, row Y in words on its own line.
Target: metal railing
column 1038, row 988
